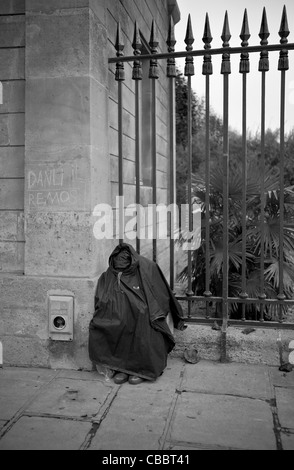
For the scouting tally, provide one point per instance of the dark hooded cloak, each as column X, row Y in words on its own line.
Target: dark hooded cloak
column 128, row 332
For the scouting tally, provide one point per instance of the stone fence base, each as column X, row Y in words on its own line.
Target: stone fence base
column 261, row 346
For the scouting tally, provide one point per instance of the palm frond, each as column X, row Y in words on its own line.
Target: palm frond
column 272, row 275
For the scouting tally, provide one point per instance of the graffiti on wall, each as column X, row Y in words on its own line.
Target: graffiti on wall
column 55, row 188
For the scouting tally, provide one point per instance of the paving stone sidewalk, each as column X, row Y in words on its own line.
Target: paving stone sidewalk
column 203, row 406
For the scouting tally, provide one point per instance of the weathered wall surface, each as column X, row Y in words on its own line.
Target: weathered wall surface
column 58, row 160
column 66, row 96
column 24, row 321
column 12, row 140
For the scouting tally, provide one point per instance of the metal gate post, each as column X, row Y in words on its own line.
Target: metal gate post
column 120, row 77
column 171, row 74
column 225, row 70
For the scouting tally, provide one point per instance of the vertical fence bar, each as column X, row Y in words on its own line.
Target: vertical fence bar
column 189, row 191
column 171, row 74
column 207, row 71
column 153, row 74
column 120, row 77
column 138, row 162
column 120, row 163
column 244, row 69
column 283, row 66
column 154, row 170
column 225, row 70
column 189, row 72
column 281, row 295
column 137, row 76
column 263, row 67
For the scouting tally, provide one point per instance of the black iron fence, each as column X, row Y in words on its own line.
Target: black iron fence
column 269, row 307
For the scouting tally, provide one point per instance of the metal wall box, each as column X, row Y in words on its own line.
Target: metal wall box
column 61, row 312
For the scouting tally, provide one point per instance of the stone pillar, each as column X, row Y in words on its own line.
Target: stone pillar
column 66, row 136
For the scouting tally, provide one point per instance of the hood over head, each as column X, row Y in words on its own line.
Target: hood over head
column 123, row 257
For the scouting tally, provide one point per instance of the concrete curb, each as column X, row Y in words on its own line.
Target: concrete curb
column 258, row 347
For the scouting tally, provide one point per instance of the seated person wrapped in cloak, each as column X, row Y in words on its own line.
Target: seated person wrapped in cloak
column 129, row 332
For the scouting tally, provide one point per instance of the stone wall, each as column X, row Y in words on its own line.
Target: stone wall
column 12, row 136
column 58, row 160
column 67, row 164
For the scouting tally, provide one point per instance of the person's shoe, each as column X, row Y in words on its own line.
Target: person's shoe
column 120, row 378
column 134, row 380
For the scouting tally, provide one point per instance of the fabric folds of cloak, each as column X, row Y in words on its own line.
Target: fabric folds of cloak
column 128, row 332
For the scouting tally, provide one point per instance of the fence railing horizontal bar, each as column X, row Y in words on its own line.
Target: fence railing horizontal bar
column 241, row 323
column 195, row 298
column 200, row 52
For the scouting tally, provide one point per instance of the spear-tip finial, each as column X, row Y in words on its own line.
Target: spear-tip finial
column 189, row 39
column 263, row 65
column 207, row 37
column 137, row 43
column 153, row 40
column 137, row 46
column 245, row 33
column 284, row 28
column 226, row 34
column 119, row 47
column 284, row 33
column 171, row 40
column 153, row 43
column 264, row 31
